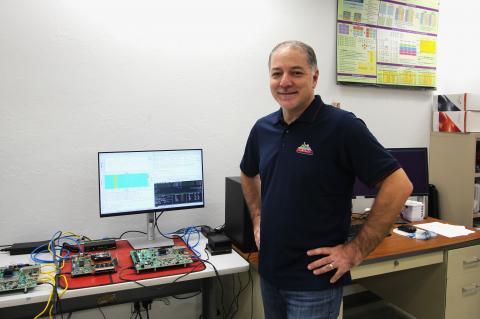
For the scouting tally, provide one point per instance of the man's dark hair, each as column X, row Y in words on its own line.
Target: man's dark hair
column 305, row 48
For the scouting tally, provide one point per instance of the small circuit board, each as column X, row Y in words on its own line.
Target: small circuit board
column 22, row 276
column 153, row 258
column 93, row 264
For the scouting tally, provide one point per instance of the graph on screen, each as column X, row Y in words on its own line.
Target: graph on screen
column 149, row 180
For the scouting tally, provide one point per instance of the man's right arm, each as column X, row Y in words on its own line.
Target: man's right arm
column 251, row 190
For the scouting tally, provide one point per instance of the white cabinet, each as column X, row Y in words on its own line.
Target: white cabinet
column 452, row 171
column 463, row 283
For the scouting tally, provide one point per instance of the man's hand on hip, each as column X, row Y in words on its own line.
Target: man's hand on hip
column 341, row 257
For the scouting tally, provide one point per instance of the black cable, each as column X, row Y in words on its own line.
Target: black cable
column 167, row 285
column 219, row 229
column 250, row 276
column 236, row 298
column 178, row 231
column 182, row 298
column 102, row 313
column 70, row 315
column 60, row 306
column 219, row 279
column 360, row 216
column 165, row 300
column 156, row 225
column 55, row 280
column 131, row 231
column 233, row 294
column 70, row 248
column 58, row 303
column 240, row 292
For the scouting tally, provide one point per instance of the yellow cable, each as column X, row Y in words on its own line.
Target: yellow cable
column 47, row 279
column 66, row 287
column 48, row 272
column 50, row 298
column 69, row 232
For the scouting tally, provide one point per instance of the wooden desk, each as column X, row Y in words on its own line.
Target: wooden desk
column 423, row 277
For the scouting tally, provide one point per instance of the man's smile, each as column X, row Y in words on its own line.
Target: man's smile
column 287, row 93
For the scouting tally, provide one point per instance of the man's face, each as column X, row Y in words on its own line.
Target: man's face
column 291, row 79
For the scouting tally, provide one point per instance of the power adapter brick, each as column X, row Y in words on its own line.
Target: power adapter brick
column 24, row 248
column 207, row 231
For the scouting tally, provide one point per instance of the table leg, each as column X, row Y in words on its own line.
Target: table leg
column 209, row 298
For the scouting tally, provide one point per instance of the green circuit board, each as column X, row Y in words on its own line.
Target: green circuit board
column 153, row 258
column 93, row 264
column 15, row 277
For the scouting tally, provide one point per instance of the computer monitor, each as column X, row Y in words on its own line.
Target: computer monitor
column 142, row 182
column 414, row 162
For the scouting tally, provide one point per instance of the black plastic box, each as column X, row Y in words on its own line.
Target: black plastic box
column 238, row 224
column 219, row 244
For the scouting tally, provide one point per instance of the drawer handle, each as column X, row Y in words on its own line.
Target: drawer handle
column 471, row 262
column 465, row 290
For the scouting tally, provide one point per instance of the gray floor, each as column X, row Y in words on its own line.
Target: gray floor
column 375, row 310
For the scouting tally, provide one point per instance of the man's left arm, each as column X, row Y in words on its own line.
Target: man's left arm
column 394, row 191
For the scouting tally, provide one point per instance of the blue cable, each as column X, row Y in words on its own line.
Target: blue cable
column 190, row 229
column 187, row 238
column 52, row 247
column 34, row 257
column 60, row 258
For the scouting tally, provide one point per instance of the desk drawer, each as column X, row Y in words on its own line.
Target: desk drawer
column 463, row 261
column 396, row 265
column 463, row 297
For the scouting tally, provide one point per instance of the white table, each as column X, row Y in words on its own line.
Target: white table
column 12, row 304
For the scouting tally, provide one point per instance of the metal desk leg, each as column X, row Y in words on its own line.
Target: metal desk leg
column 209, row 298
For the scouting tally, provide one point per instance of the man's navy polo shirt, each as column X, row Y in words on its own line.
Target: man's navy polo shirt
column 307, row 171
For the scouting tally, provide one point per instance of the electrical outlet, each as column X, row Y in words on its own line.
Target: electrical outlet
column 141, row 307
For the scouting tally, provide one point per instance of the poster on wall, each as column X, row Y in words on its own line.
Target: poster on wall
column 387, row 43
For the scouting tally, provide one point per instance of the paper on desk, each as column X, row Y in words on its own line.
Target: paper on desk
column 445, row 229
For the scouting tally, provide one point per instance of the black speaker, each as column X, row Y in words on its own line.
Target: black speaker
column 238, row 224
column 433, row 206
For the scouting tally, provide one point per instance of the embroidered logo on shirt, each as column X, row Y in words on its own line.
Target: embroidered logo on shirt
column 305, row 149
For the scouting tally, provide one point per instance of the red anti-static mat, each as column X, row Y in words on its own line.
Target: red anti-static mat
column 124, row 260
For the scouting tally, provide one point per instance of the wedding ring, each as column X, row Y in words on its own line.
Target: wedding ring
column 331, row 266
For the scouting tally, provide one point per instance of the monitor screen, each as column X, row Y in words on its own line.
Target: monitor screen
column 414, row 162
column 149, row 181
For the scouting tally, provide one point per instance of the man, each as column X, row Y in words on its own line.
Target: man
column 298, row 172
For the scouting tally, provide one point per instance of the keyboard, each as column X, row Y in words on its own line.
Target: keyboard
column 353, row 230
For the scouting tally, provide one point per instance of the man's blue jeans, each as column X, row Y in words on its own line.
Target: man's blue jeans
column 282, row 304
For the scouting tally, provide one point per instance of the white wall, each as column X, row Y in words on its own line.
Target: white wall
column 79, row 77
column 458, row 48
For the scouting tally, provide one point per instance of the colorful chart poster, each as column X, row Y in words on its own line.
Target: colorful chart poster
column 387, row 43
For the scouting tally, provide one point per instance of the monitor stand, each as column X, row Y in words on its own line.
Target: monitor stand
column 150, row 240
